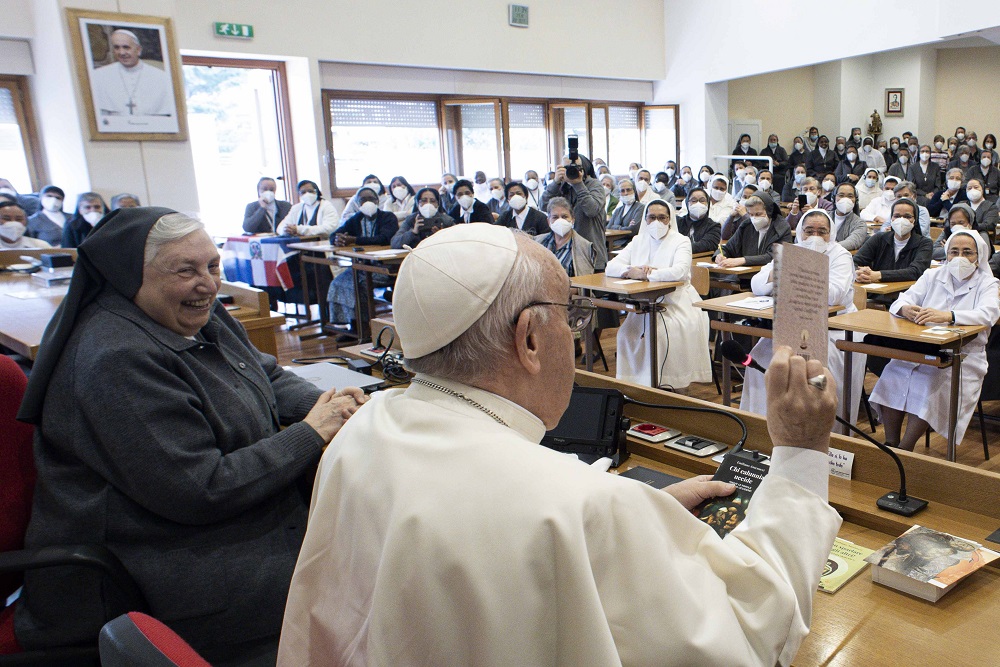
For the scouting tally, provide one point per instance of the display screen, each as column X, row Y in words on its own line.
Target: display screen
column 583, row 419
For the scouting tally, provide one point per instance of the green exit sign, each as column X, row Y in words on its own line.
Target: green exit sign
column 241, row 30
column 518, row 15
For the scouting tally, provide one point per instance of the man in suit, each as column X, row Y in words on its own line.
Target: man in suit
column 262, row 216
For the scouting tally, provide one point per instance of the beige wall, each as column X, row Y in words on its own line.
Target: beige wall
column 960, row 72
column 774, row 99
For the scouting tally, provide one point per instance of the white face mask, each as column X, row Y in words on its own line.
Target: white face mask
column 11, row 232
column 607, row 191
column 746, row 145
column 845, row 205
column 740, row 173
column 799, row 178
column 750, row 180
column 870, row 182
column 531, row 184
column 369, row 209
column 704, row 177
column 517, row 202
column 466, row 201
column 958, row 227
column 889, row 196
column 881, row 149
column 963, row 158
column 717, row 195
column 497, row 194
column 954, row 184
column 765, row 184
column 628, row 200
column 772, row 145
column 93, row 217
column 960, row 136
column 399, row 192
column 924, row 157
column 827, row 186
column 669, row 171
column 632, row 173
column 659, row 229
column 973, row 194
column 52, row 204
column 659, row 187
column 961, row 268
column 698, row 210
column 759, row 222
column 448, row 187
column 798, row 147
column 641, row 186
column 561, row 227
column 811, row 198
column 901, row 226
column 743, row 202
column 309, row 198
column 972, row 143
column 815, row 243
column 686, row 177
column 267, row 196
column 939, row 145
column 903, row 159
column 427, row 210
column 986, row 162
column 852, row 157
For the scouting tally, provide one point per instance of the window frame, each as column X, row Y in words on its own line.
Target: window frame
column 677, row 129
column 25, row 111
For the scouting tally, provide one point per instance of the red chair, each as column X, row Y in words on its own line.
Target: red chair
column 135, row 639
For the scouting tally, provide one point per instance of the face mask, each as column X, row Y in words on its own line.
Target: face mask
column 746, row 145
column 632, row 173
column 607, row 191
column 51, row 203
column 972, row 143
column 448, row 187
column 743, row 202
column 517, row 202
column 827, row 186
column 497, row 194
column 845, row 205
column 840, row 148
column 686, row 178
column 963, row 158
column 765, row 184
column 811, row 198
column 369, row 209
column 799, row 178
column 717, row 195
column 973, row 195
column 759, row 222
column 913, row 149
column 93, row 217
column 954, row 184
column 309, row 198
column 852, row 157
column 986, row 162
column 705, row 176
column 465, row 201
column 870, row 182
column 895, row 148
column 881, row 149
column 924, row 157
column 659, row 229
column 740, row 173
column 813, row 137
column 267, row 196
column 939, row 145
column 960, row 136
column 669, row 171
column 798, row 147
column 903, row 159
column 958, row 227
column 815, row 243
column 961, row 268
column 427, row 210
column 561, row 227
column 772, row 145
column 12, row 231
column 698, row 210
column 901, row 226
column 399, row 192
column 889, row 196
column 641, row 186
column 531, row 184
column 659, row 187
column 628, row 200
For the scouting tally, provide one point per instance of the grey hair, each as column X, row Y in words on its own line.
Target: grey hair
column 905, row 185
column 961, row 174
column 488, row 344
column 753, row 200
column 559, row 202
column 169, row 228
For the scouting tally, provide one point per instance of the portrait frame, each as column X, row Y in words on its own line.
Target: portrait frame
column 894, row 102
column 148, row 106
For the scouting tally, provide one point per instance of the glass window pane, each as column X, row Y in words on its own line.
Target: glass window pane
column 385, row 137
column 13, row 155
column 624, row 139
column 233, row 122
column 600, row 127
column 567, row 121
column 472, row 138
column 661, row 136
column 527, row 139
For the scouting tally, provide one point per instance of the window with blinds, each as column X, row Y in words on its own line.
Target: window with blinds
column 660, row 135
column 624, row 139
column 528, row 139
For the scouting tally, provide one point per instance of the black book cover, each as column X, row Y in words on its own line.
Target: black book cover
column 724, row 514
column 654, row 478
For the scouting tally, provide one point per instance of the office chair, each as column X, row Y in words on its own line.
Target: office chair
column 137, row 640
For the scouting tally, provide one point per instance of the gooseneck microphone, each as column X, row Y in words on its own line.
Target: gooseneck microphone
column 895, row 502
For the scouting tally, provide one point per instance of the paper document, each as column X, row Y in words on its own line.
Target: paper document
column 754, row 303
column 739, row 269
column 388, row 253
column 707, row 265
column 875, row 285
column 802, row 288
column 627, row 282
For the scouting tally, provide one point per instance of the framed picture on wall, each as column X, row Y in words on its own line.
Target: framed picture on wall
column 894, row 102
column 130, row 76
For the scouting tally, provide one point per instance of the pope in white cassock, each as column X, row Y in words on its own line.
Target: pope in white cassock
column 442, row 533
column 130, row 87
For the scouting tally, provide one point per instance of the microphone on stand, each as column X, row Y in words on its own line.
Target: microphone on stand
column 896, row 502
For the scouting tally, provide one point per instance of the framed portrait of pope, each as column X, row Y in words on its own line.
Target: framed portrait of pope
column 130, row 76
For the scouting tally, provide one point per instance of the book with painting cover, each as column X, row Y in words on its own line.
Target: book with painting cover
column 927, row 563
column 845, row 561
column 744, row 470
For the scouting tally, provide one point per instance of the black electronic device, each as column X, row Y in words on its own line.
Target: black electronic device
column 802, row 201
column 56, row 260
column 592, row 427
column 226, row 299
column 897, row 502
column 573, row 170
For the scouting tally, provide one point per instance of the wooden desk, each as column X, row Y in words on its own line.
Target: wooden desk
column 254, row 313
column 612, row 235
column 883, row 323
column 639, row 296
column 864, row 623
column 883, row 288
column 8, row 257
column 739, row 271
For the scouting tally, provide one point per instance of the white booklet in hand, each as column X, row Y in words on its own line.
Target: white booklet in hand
column 801, row 310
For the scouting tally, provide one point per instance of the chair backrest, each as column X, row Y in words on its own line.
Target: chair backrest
column 137, row 639
column 860, row 297
column 700, row 280
column 17, row 468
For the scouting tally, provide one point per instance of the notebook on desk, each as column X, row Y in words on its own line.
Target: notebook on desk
column 327, row 375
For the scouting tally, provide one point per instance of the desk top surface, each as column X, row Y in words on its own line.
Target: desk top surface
column 600, row 281
column 612, row 233
column 373, row 253
column 884, row 323
column 735, row 271
column 886, row 288
column 26, row 306
column 723, row 304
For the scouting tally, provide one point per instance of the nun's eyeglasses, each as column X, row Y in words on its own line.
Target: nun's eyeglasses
column 579, row 312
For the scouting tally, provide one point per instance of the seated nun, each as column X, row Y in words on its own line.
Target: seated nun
column 575, row 254
column 13, row 223
column 755, row 237
column 813, row 233
column 628, row 215
column 441, row 533
column 959, row 216
column 697, row 224
column 961, row 292
column 659, row 252
column 158, row 436
column 519, row 214
column 429, row 218
column 48, row 223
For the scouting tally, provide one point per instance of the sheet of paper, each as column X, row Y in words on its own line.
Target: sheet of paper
column 754, row 303
column 627, row 282
column 388, row 253
column 740, row 269
column 707, row 265
column 875, row 285
column 802, row 288
column 841, row 463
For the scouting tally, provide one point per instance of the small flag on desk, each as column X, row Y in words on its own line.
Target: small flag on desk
column 249, row 261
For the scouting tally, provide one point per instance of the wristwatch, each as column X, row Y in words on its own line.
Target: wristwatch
column 953, row 317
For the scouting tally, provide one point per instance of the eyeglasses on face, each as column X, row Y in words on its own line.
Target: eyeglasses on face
column 579, row 311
